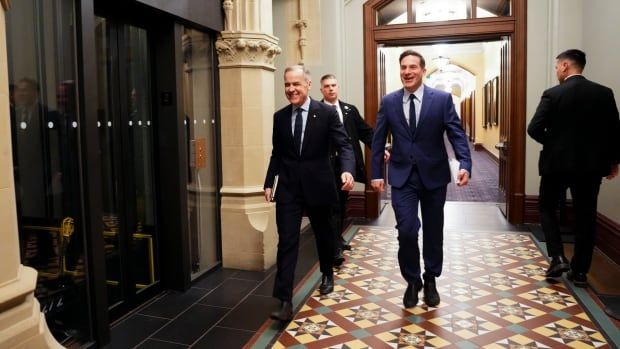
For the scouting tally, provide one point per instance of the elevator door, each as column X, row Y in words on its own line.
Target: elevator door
column 126, row 132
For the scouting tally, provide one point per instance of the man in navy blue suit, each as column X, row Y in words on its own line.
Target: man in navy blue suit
column 304, row 133
column 417, row 116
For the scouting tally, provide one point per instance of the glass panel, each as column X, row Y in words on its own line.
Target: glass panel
column 144, row 242
column 493, row 8
column 198, row 82
column 440, row 10
column 109, row 179
column 45, row 126
column 393, row 13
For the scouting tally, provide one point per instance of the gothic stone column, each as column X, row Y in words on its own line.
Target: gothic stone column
column 22, row 325
column 249, row 238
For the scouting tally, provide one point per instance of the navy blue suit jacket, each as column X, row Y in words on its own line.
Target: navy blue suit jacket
column 426, row 147
column 308, row 176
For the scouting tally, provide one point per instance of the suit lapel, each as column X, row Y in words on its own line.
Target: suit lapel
column 345, row 111
column 311, row 120
column 427, row 100
column 286, row 125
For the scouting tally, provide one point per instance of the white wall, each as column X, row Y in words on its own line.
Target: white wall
column 557, row 25
column 601, row 33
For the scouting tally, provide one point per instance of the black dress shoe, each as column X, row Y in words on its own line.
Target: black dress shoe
column 410, row 299
column 578, row 279
column 558, row 265
column 431, row 296
column 327, row 284
column 285, row 313
column 339, row 258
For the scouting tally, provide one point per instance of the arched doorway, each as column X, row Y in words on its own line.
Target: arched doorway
column 413, row 22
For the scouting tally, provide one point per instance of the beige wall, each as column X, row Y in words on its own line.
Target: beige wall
column 557, row 25
column 600, row 41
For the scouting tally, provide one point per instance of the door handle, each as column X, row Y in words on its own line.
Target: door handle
column 503, row 146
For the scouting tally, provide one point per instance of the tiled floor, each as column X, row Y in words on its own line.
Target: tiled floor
column 224, row 309
column 228, row 308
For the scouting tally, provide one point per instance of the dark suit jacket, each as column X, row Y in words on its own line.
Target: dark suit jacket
column 357, row 130
column 577, row 123
column 308, row 176
column 426, row 147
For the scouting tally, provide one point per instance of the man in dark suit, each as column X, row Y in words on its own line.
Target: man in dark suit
column 357, row 130
column 577, row 123
column 303, row 133
column 418, row 170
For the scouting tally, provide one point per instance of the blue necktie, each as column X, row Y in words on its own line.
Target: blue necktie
column 297, row 131
column 412, row 117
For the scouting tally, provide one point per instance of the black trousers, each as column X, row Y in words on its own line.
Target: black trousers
column 338, row 216
column 288, row 220
column 584, row 192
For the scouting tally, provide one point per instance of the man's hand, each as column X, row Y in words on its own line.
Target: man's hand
column 463, row 178
column 378, row 185
column 268, row 194
column 613, row 173
column 347, row 181
column 386, row 156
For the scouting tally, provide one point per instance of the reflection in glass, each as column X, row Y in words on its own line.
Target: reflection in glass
column 492, row 8
column 200, row 132
column 394, row 12
column 440, row 10
column 143, row 242
column 44, row 127
column 126, row 141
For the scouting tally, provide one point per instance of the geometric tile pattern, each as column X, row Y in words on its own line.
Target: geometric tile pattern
column 493, row 295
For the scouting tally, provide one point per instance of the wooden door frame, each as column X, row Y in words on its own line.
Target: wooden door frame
column 456, row 31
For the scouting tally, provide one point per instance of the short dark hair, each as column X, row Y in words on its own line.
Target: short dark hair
column 412, row 53
column 577, row 57
column 327, row 76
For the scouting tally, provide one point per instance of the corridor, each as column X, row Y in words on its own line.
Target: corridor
column 493, row 296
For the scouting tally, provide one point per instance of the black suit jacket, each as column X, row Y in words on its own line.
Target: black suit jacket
column 357, row 130
column 308, row 176
column 578, row 125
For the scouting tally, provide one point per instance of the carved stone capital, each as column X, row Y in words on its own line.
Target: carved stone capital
column 241, row 49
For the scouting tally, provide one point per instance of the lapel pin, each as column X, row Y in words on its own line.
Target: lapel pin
column 314, row 116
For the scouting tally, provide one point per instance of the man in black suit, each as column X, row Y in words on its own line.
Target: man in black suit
column 357, row 130
column 303, row 133
column 577, row 123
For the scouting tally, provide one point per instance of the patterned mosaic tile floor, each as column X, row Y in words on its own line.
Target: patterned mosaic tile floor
column 493, row 295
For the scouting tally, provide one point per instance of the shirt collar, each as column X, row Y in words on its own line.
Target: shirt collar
column 570, row 76
column 417, row 93
column 305, row 107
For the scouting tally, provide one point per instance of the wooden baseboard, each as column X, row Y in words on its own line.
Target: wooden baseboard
column 607, row 230
column 356, row 205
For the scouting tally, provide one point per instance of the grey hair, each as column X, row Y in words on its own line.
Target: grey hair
column 301, row 68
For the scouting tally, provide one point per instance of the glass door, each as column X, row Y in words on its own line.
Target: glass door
column 127, row 157
column 201, row 139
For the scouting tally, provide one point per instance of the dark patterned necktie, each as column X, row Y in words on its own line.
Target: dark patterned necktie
column 297, row 131
column 412, row 117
